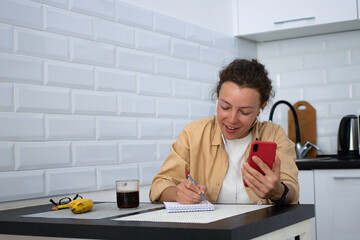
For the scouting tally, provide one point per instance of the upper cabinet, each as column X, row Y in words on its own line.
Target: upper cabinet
column 266, row 20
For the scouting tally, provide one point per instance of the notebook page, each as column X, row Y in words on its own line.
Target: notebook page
column 178, row 207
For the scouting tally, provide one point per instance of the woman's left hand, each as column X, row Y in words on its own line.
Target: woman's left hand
column 266, row 186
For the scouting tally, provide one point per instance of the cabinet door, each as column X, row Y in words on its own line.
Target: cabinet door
column 259, row 16
column 307, row 194
column 337, row 194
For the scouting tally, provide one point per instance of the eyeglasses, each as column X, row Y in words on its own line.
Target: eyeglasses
column 65, row 200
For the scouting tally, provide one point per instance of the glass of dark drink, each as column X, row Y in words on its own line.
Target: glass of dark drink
column 127, row 193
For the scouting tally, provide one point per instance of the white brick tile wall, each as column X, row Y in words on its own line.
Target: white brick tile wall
column 198, row 34
column 70, row 180
column 100, row 8
column 246, row 49
column 187, row 89
column 155, row 128
column 63, row 74
column 6, row 38
column 66, row 127
column 137, row 152
column 329, row 92
column 163, row 149
column 115, row 80
column 89, row 52
column 23, row 13
column 135, row 16
column 207, row 91
column 152, row 42
column 41, row 44
column 22, row 185
column 30, row 98
column 341, row 108
column 42, row 155
column 169, row 25
column 90, row 102
column 31, row 69
column 136, row 105
column 344, row 40
column 215, row 56
column 68, row 23
column 178, row 126
column 148, row 171
column 288, row 63
column 95, row 153
column 356, row 91
column 301, row 46
column 21, row 126
column 56, row 3
column 343, row 74
column 154, row 85
column 135, row 60
column 6, row 97
column 170, row 67
column 201, row 72
column 107, row 175
column 322, row 110
column 171, row 108
column 110, row 32
column 302, row 78
column 326, row 59
column 224, row 41
column 355, row 56
column 185, row 50
column 201, row 109
column 116, row 128
column 290, row 94
column 7, row 162
column 94, row 91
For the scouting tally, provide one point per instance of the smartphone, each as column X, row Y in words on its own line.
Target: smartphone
column 265, row 151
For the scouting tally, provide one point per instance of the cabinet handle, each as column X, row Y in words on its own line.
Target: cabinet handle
column 344, row 178
column 294, row 20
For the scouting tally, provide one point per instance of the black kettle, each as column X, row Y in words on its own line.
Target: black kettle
column 348, row 138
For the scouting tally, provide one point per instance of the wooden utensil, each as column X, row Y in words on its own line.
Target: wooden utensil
column 307, row 125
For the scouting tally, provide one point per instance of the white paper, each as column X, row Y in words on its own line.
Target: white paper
column 221, row 212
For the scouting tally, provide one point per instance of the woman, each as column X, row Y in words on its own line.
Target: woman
column 215, row 150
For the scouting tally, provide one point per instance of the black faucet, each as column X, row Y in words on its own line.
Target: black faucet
column 301, row 151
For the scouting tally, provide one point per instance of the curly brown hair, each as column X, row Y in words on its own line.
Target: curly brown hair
column 247, row 74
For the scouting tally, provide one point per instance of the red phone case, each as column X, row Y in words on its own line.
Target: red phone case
column 265, row 151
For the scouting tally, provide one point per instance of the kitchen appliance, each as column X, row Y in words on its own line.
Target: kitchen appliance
column 348, row 138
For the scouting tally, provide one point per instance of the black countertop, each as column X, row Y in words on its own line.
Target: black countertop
column 327, row 162
column 243, row 226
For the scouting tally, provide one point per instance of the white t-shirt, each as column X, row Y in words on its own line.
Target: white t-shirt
column 233, row 189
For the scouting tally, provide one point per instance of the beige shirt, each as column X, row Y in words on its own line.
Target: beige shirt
column 200, row 150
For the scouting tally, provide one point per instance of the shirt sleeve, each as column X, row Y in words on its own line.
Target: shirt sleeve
column 287, row 155
column 172, row 172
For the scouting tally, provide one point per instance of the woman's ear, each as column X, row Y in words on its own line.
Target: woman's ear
column 263, row 106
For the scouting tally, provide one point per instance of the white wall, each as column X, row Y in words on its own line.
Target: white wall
column 94, row 91
column 213, row 14
column 323, row 70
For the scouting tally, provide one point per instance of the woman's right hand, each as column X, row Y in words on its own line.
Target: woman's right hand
column 188, row 193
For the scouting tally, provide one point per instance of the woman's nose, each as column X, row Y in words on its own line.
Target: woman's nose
column 233, row 117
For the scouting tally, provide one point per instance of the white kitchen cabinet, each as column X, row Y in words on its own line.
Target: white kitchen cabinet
column 264, row 20
column 337, row 194
column 307, row 194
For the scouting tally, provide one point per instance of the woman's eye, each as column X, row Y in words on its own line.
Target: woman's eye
column 245, row 114
column 224, row 108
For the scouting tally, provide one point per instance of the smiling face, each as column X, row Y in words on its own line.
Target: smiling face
column 237, row 109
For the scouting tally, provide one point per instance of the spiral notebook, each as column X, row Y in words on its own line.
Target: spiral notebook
column 178, row 207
